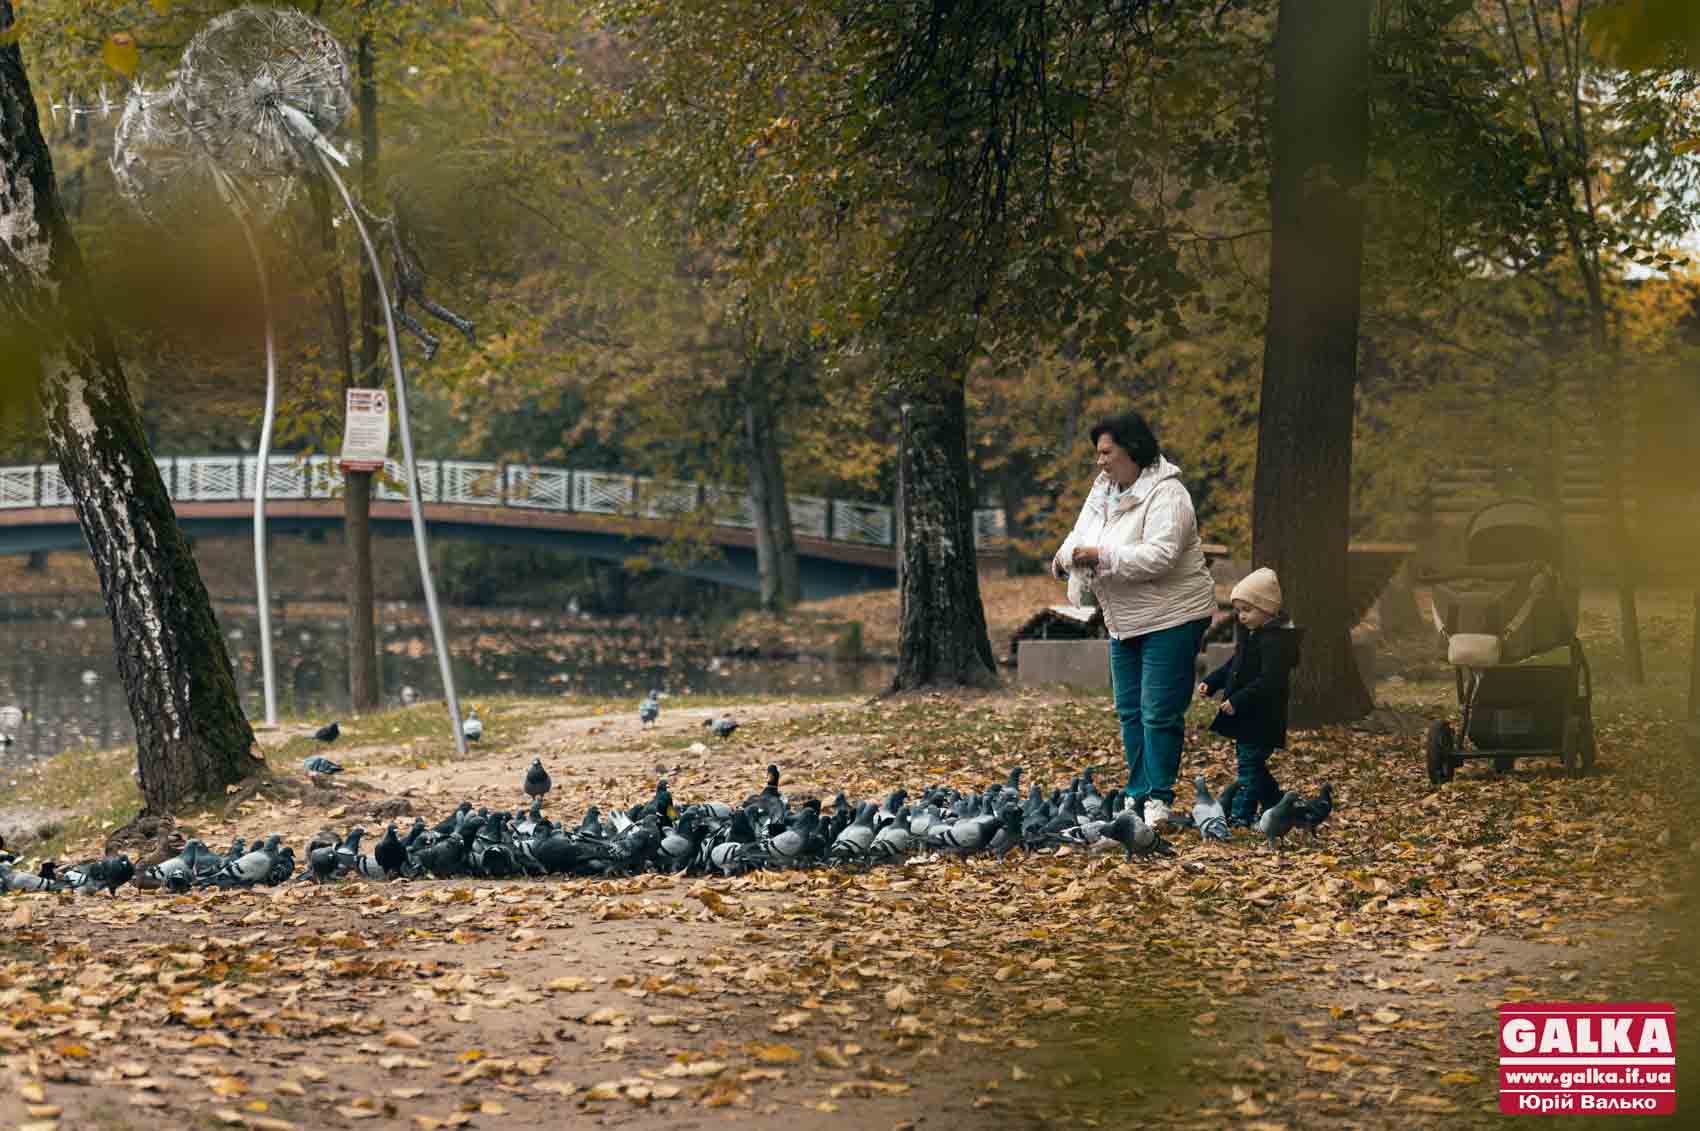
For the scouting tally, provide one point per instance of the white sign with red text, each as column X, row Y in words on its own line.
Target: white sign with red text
column 366, row 430
column 1587, row 1056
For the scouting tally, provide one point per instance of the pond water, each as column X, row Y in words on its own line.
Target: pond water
column 59, row 668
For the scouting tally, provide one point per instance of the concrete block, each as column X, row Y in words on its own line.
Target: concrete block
column 1077, row 663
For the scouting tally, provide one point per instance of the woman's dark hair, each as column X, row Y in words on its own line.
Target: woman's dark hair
column 1130, row 431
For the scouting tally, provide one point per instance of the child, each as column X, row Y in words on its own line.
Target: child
column 1254, row 707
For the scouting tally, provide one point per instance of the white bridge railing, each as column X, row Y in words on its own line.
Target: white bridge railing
column 205, row 479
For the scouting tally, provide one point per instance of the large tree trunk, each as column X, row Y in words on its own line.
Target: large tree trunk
column 364, row 690
column 776, row 541
column 191, row 736
column 1301, row 506
column 942, row 637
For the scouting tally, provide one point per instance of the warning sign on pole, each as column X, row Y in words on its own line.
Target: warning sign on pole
column 366, row 431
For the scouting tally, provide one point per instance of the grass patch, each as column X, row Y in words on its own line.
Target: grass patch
column 78, row 795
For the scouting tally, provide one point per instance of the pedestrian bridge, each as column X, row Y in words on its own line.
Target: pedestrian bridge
column 842, row 546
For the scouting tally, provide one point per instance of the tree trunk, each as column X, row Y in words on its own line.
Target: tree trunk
column 1301, row 505
column 776, row 541
column 364, row 690
column 942, row 637
column 191, row 736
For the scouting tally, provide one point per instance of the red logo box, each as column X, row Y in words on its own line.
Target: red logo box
column 1569, row 1057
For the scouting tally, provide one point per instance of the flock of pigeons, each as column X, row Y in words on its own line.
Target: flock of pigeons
column 765, row 830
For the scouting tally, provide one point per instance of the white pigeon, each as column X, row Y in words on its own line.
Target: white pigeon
column 473, row 726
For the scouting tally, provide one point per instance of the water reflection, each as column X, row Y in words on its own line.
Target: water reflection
column 60, row 668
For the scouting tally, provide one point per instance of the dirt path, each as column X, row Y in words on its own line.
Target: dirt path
column 1346, row 984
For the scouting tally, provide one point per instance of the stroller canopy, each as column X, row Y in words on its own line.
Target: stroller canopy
column 1514, row 530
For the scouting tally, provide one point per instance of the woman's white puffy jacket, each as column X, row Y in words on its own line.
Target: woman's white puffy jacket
column 1151, row 571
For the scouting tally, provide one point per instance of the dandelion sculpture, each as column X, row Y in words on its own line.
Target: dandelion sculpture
column 259, row 92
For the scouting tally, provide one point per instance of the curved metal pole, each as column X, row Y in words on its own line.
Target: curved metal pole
column 262, row 580
column 413, row 502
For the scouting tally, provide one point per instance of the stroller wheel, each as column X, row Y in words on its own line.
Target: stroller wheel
column 1576, row 758
column 1440, row 747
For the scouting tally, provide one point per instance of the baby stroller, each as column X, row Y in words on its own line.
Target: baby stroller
column 1508, row 617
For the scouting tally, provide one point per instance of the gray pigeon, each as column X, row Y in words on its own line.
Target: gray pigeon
column 722, row 726
column 318, row 765
column 857, row 837
column 1131, row 832
column 1309, row 815
column 111, row 873
column 1277, row 822
column 650, row 709
column 893, row 841
column 1207, row 813
column 537, row 781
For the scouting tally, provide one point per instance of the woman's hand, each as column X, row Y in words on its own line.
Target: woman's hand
column 1227, row 706
column 1086, row 556
column 1203, row 690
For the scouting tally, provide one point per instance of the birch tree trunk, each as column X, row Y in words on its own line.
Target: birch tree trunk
column 942, row 637
column 1301, row 502
column 191, row 736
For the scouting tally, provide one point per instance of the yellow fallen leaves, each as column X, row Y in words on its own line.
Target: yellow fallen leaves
column 569, row 985
column 900, row 999
column 775, row 1054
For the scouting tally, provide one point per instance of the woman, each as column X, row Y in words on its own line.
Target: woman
column 1136, row 546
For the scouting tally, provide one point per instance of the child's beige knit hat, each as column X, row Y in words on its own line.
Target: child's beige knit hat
column 1261, row 589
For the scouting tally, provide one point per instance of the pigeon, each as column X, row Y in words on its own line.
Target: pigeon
column 679, row 844
column 451, row 823
column 1131, row 832
column 858, row 836
column 788, row 848
column 45, row 878
column 321, row 863
column 537, row 781
column 320, row 766
column 650, row 709
column 1310, row 815
column 328, row 733
column 893, row 841
column 768, row 802
column 110, row 873
column 473, row 726
column 1277, row 822
column 408, row 696
column 348, row 852
column 1207, row 812
column 721, row 725
column 174, row 875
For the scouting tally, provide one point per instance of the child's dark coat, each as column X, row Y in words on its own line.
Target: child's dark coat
column 1256, row 682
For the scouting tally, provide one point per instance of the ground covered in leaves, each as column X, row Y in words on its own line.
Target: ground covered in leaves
column 1349, row 983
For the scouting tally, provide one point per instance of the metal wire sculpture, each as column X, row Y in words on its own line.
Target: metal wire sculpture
column 259, row 91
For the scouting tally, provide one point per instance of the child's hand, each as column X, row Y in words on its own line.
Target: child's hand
column 1227, row 706
column 1203, row 690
